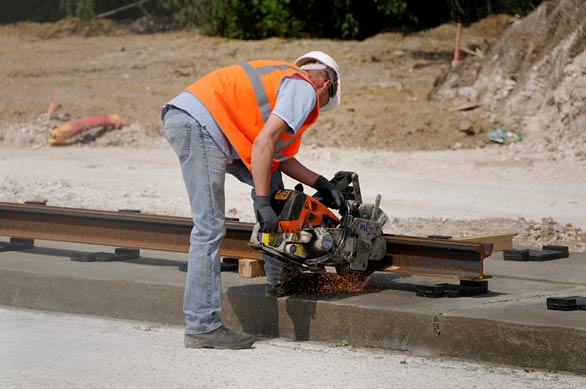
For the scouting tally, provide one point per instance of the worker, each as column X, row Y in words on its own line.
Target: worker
column 246, row 120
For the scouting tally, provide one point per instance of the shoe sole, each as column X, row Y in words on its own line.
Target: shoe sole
column 193, row 343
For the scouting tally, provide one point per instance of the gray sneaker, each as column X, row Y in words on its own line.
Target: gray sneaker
column 221, row 338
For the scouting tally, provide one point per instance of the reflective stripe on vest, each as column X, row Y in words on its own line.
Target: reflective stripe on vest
column 263, row 100
column 259, row 89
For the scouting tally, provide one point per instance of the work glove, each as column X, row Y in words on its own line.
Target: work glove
column 267, row 218
column 332, row 198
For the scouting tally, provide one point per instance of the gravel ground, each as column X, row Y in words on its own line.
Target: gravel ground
column 52, row 350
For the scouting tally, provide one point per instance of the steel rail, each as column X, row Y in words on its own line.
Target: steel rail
column 437, row 257
column 116, row 229
column 409, row 255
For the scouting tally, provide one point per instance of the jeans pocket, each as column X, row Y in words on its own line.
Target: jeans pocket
column 177, row 129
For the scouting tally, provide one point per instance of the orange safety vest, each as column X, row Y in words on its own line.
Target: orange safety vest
column 241, row 99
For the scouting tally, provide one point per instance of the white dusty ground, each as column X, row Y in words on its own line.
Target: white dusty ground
column 539, row 196
column 52, row 350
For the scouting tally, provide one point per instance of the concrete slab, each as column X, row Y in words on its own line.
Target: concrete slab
column 60, row 350
column 510, row 324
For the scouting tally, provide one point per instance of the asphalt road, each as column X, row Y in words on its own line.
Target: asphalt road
column 39, row 349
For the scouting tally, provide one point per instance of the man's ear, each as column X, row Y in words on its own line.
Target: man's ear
column 326, row 85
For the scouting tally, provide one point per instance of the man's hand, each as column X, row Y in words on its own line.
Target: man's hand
column 267, row 218
column 332, row 197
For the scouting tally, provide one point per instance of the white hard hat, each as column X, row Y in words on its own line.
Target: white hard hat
column 333, row 70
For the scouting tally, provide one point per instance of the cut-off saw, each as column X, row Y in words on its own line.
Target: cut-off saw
column 311, row 236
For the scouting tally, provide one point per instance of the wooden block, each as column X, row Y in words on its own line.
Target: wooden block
column 500, row 242
column 251, row 268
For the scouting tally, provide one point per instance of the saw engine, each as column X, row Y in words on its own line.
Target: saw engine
column 312, row 237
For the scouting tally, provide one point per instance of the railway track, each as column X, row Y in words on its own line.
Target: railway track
column 405, row 254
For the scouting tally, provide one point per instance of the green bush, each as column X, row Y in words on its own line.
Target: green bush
column 184, row 13
column 250, row 19
column 253, row 19
column 83, row 10
column 338, row 19
column 392, row 7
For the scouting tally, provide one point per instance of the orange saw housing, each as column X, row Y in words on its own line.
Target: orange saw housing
column 296, row 210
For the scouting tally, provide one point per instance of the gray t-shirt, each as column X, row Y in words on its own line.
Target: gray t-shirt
column 296, row 99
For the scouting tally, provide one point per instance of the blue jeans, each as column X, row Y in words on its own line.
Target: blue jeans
column 204, row 166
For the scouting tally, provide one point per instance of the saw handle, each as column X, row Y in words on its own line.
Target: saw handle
column 328, row 191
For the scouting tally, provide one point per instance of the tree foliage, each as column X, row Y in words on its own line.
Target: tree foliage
column 345, row 19
column 253, row 19
column 339, row 19
column 83, row 10
column 392, row 7
column 184, row 13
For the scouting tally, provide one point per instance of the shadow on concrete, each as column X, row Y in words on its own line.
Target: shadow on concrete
column 386, row 281
column 290, row 316
column 70, row 253
column 301, row 311
column 254, row 312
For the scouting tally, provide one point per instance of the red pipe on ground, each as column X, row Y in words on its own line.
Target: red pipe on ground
column 60, row 134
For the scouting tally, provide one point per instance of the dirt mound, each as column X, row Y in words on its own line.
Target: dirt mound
column 532, row 80
column 387, row 79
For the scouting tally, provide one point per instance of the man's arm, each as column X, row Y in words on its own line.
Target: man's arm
column 296, row 170
column 263, row 150
column 330, row 194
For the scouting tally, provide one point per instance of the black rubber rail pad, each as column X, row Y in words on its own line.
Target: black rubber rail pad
column 527, row 255
column 571, row 303
column 466, row 288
